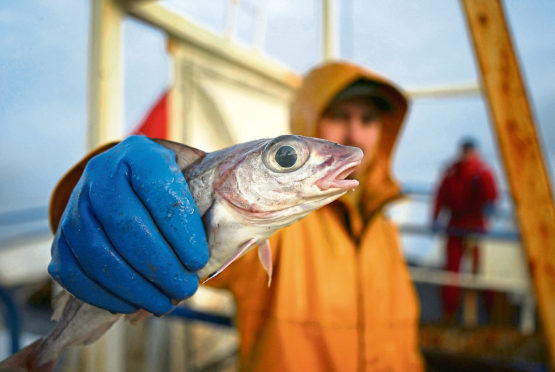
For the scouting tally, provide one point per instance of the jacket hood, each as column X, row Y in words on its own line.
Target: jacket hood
column 320, row 87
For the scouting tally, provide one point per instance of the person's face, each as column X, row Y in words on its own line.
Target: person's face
column 467, row 154
column 352, row 122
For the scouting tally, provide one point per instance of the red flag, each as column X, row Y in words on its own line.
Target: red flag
column 156, row 122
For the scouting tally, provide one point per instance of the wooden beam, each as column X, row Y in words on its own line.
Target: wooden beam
column 520, row 149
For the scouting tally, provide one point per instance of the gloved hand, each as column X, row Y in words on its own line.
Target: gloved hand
column 130, row 237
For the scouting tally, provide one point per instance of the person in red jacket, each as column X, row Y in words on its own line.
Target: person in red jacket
column 467, row 193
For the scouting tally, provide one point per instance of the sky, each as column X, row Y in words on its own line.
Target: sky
column 43, row 76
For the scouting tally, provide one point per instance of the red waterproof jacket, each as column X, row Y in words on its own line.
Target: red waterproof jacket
column 466, row 189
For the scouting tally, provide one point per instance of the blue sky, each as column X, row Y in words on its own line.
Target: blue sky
column 43, row 69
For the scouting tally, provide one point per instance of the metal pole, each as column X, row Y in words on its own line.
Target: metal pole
column 12, row 319
column 231, row 18
column 105, row 82
column 329, row 27
column 104, row 125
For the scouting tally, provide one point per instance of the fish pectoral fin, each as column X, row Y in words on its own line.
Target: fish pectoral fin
column 185, row 155
column 265, row 256
column 245, row 247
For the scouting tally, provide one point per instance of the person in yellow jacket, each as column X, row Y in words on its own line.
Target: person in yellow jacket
column 341, row 297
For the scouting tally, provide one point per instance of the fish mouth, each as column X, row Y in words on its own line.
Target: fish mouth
column 337, row 179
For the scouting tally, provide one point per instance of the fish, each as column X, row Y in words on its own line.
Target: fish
column 244, row 193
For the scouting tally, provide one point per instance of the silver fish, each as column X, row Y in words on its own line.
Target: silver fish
column 244, row 194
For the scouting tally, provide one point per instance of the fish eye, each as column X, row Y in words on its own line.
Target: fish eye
column 286, row 156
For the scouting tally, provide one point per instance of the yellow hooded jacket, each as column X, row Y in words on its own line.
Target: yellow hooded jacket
column 341, row 299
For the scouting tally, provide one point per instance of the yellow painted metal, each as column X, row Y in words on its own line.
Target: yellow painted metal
column 176, row 99
column 220, row 47
column 522, row 156
column 445, row 91
column 105, row 81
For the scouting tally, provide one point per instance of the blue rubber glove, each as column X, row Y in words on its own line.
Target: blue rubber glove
column 130, row 237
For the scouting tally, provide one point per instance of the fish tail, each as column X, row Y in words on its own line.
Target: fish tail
column 25, row 360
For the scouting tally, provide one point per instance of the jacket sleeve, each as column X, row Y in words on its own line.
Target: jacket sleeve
column 440, row 196
column 489, row 186
column 63, row 189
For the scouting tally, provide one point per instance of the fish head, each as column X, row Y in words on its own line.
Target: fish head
column 283, row 179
